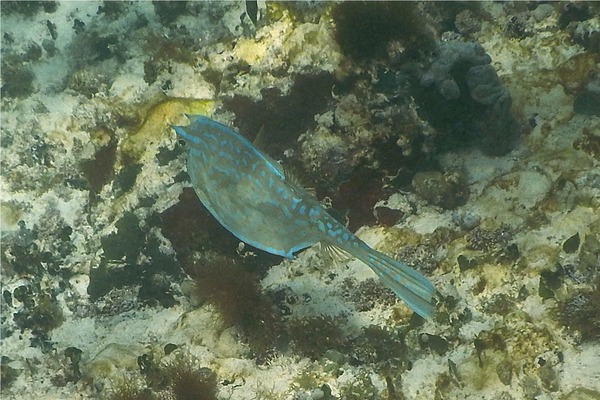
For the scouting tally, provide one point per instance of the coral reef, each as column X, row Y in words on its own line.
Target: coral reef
column 461, row 138
column 476, row 104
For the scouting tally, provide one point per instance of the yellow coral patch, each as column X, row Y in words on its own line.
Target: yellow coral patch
column 157, row 122
column 250, row 51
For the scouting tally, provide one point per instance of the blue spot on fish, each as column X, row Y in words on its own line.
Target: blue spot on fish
column 295, row 202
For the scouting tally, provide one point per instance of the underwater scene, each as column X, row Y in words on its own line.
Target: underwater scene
column 300, row 200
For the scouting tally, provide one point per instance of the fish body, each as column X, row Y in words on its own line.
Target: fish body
column 249, row 194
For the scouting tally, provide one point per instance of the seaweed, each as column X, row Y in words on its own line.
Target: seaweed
column 179, row 378
column 39, row 313
column 169, row 11
column 17, row 80
column 120, row 266
column 27, row 256
column 313, row 336
column 28, row 8
column 8, row 374
column 574, row 12
column 227, row 284
column 377, row 345
column 581, row 313
column 356, row 197
column 127, row 242
column 364, row 29
column 368, row 294
column 100, row 169
column 282, row 118
column 186, row 381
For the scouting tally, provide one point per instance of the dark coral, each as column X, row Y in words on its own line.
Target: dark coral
column 489, row 240
column 126, row 178
column 127, row 242
column 354, row 199
column 70, row 371
column 571, row 245
column 588, row 101
column 434, row 342
column 467, row 22
column 124, row 287
column 169, row 11
column 588, row 142
column 121, row 266
column 451, row 56
column 469, row 104
column 574, row 12
column 517, row 27
column 421, row 256
column 589, row 39
column 112, row 9
column 282, row 118
column 500, row 304
column 364, row 29
column 99, row 169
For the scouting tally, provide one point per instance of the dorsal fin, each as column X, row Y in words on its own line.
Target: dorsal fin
column 259, row 140
column 290, row 173
column 292, row 176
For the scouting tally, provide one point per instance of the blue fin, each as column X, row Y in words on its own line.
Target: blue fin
column 409, row 285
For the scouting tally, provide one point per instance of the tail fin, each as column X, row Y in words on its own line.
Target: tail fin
column 409, row 285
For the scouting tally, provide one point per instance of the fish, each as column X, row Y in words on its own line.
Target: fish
column 253, row 197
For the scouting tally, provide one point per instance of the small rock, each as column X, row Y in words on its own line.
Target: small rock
column 571, row 245
column 466, row 22
column 504, row 371
column 588, row 101
column 549, row 378
column 542, row 11
column 443, row 190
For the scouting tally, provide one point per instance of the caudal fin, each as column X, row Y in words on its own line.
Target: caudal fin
column 409, row 285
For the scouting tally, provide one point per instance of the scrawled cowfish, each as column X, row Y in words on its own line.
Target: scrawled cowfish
column 249, row 194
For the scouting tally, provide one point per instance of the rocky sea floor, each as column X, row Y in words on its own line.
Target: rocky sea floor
column 461, row 138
